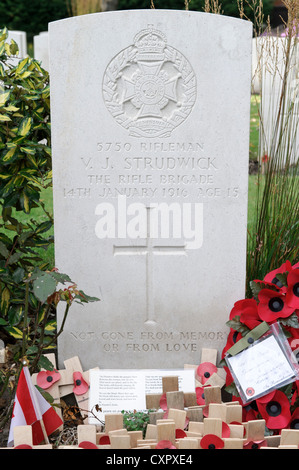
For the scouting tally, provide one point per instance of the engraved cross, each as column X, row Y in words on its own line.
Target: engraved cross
column 149, row 250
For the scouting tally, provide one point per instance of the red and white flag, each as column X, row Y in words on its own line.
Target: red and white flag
column 31, row 408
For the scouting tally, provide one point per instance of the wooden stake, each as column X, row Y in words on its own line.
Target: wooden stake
column 113, row 421
column 179, row 417
column 212, row 426
column 175, row 400
column 170, row 384
column 166, row 431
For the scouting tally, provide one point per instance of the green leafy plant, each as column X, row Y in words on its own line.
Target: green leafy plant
column 136, row 420
column 29, row 288
column 25, row 169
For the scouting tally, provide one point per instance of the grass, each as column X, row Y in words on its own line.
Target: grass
column 254, row 127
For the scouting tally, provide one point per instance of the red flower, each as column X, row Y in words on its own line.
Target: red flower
column 225, row 430
column 180, row 433
column 272, row 306
column 275, row 412
column 292, row 294
column 80, row 386
column 200, row 395
column 294, row 422
column 23, row 446
column 104, row 440
column 163, row 402
column 265, row 158
column 211, row 441
column 46, row 378
column 87, row 445
column 247, row 311
column 271, row 276
column 165, row 445
column 205, row 370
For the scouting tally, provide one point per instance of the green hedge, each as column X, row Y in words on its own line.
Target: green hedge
column 31, row 16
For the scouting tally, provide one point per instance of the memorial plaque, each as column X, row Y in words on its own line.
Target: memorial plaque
column 150, row 135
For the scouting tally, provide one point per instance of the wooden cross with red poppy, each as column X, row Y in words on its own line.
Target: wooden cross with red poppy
column 61, row 382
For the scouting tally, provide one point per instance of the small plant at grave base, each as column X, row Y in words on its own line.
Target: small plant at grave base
column 136, row 420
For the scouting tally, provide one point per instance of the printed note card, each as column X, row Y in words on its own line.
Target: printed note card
column 260, row 368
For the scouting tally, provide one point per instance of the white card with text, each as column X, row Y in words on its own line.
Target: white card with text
column 114, row 390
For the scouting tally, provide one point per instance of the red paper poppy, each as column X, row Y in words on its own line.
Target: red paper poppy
column 205, row 370
column 294, row 421
column 225, row 430
column 255, row 444
column 81, row 386
column 232, row 338
column 104, row 440
column 292, row 294
column 165, row 445
column 271, row 276
column 272, row 306
column 266, row 398
column 23, row 446
column 163, row 402
column 46, row 378
column 211, row 441
column 87, row 445
column 293, row 338
column 246, row 309
column 276, row 412
column 200, row 395
column 180, row 433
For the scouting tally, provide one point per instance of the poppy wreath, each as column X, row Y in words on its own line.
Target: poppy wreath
column 274, row 299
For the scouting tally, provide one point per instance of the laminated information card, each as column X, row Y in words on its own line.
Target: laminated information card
column 116, row 390
column 262, row 367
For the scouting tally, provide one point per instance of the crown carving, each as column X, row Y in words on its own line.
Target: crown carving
column 150, row 42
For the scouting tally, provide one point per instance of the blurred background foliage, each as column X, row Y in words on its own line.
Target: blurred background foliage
column 34, row 16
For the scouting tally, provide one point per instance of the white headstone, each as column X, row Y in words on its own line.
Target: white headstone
column 41, row 48
column 278, row 113
column 20, row 37
column 150, row 115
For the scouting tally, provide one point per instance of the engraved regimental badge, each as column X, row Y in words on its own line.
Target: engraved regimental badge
column 149, row 87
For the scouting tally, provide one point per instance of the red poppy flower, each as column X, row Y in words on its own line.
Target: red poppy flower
column 294, row 421
column 271, row 276
column 292, row 294
column 180, row 433
column 211, row 441
column 255, row 444
column 272, row 306
column 200, row 395
column 46, row 378
column 225, row 430
column 205, row 370
column 104, row 440
column 275, row 412
column 81, row 386
column 163, row 402
column 266, row 398
column 87, row 445
column 293, row 338
column 232, row 338
column 246, row 309
column 165, row 445
column 23, row 446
